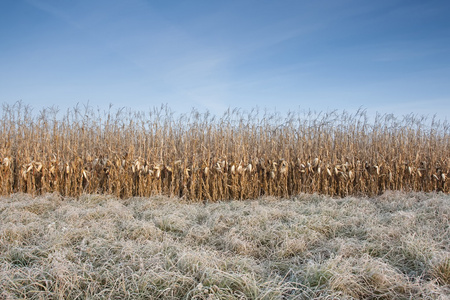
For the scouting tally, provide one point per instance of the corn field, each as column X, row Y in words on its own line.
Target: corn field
column 239, row 155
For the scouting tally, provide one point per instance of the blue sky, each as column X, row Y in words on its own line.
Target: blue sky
column 390, row 56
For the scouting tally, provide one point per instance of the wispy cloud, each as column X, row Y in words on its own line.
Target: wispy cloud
column 53, row 11
column 408, row 50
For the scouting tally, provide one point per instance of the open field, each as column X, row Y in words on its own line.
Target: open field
column 393, row 246
column 236, row 156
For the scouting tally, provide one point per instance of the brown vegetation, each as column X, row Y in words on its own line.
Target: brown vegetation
column 394, row 246
column 237, row 156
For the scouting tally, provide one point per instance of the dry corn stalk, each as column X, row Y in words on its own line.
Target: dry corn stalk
column 229, row 158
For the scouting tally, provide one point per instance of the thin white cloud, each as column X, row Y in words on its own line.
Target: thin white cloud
column 407, row 51
column 53, row 11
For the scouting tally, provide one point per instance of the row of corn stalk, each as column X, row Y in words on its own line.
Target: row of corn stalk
column 239, row 155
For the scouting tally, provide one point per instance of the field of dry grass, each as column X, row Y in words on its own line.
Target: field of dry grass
column 240, row 155
column 392, row 246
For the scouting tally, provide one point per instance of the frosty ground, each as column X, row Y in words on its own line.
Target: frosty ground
column 394, row 246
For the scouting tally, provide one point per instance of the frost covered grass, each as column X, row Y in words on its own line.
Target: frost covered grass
column 393, row 246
